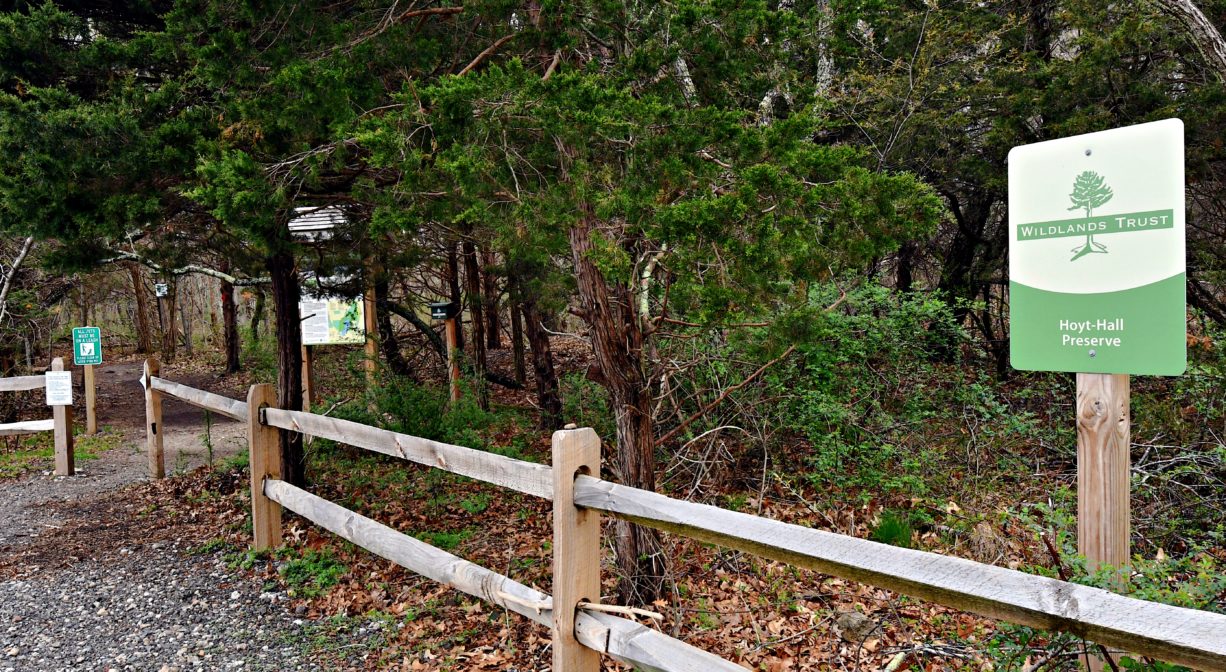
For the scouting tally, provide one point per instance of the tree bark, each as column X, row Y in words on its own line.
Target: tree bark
column 548, row 397
column 144, row 331
column 210, row 301
column 489, row 290
column 170, row 330
column 617, row 343
column 517, row 339
column 185, row 315
column 383, row 316
column 905, row 267
column 472, row 286
column 229, row 324
column 257, row 315
column 1204, row 34
column 286, row 293
column 453, row 285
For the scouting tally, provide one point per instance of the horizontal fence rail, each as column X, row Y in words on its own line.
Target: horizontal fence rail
column 60, row 424
column 230, row 408
column 526, row 477
column 22, row 383
column 620, row 638
column 1185, row 636
column 27, row 427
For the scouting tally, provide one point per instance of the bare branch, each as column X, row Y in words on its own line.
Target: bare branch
column 8, row 277
column 186, row 270
column 486, row 54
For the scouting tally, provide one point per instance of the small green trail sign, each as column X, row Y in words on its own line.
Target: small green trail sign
column 1103, row 292
column 86, row 346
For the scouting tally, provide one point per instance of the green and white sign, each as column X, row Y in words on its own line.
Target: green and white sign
column 1096, row 252
column 86, row 346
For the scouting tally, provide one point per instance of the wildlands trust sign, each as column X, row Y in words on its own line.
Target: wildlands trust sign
column 1114, row 301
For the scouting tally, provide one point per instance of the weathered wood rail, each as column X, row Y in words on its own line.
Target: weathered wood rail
column 155, row 388
column 60, row 422
column 1184, row 636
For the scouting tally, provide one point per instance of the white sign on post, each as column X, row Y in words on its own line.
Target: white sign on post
column 59, row 388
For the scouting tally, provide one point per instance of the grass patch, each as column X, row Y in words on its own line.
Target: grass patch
column 36, row 452
column 312, row 574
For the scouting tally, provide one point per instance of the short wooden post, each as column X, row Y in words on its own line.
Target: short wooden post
column 153, row 421
column 576, row 547
column 91, row 401
column 308, row 382
column 453, row 357
column 1103, row 441
column 372, row 329
column 65, row 463
column 308, row 377
column 264, row 442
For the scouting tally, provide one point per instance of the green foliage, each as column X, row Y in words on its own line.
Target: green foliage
column 447, row 541
column 870, row 372
column 1194, row 580
column 586, row 404
column 313, row 573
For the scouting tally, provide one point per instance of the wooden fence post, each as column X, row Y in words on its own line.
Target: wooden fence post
column 65, row 463
column 576, row 547
column 91, row 402
column 153, row 421
column 264, row 442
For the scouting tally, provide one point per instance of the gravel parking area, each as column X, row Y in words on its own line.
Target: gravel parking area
column 91, row 578
column 150, row 611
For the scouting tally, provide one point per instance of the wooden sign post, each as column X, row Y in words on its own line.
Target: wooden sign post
column 61, row 414
column 448, row 312
column 308, row 377
column 1103, row 441
column 91, row 401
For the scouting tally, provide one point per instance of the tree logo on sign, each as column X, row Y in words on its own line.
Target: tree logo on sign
column 1090, row 191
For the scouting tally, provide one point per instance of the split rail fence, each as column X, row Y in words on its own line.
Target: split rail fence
column 60, row 422
column 581, row 632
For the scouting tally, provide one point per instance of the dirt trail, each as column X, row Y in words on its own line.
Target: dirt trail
column 89, row 582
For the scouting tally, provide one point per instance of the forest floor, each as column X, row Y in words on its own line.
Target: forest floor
column 107, row 570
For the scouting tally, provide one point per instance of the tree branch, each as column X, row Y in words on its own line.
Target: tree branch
column 486, row 54
column 722, row 396
column 1204, row 34
column 186, row 270
column 8, row 278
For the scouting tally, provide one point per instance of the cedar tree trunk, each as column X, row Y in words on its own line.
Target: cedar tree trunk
column 547, row 395
column 489, row 289
column 229, row 324
column 617, row 343
column 285, row 296
column 472, row 285
column 144, row 338
column 387, row 335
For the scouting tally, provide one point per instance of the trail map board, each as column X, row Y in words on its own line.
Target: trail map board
column 332, row 322
column 1097, row 267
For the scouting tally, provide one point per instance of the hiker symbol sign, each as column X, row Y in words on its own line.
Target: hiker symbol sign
column 1096, row 252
